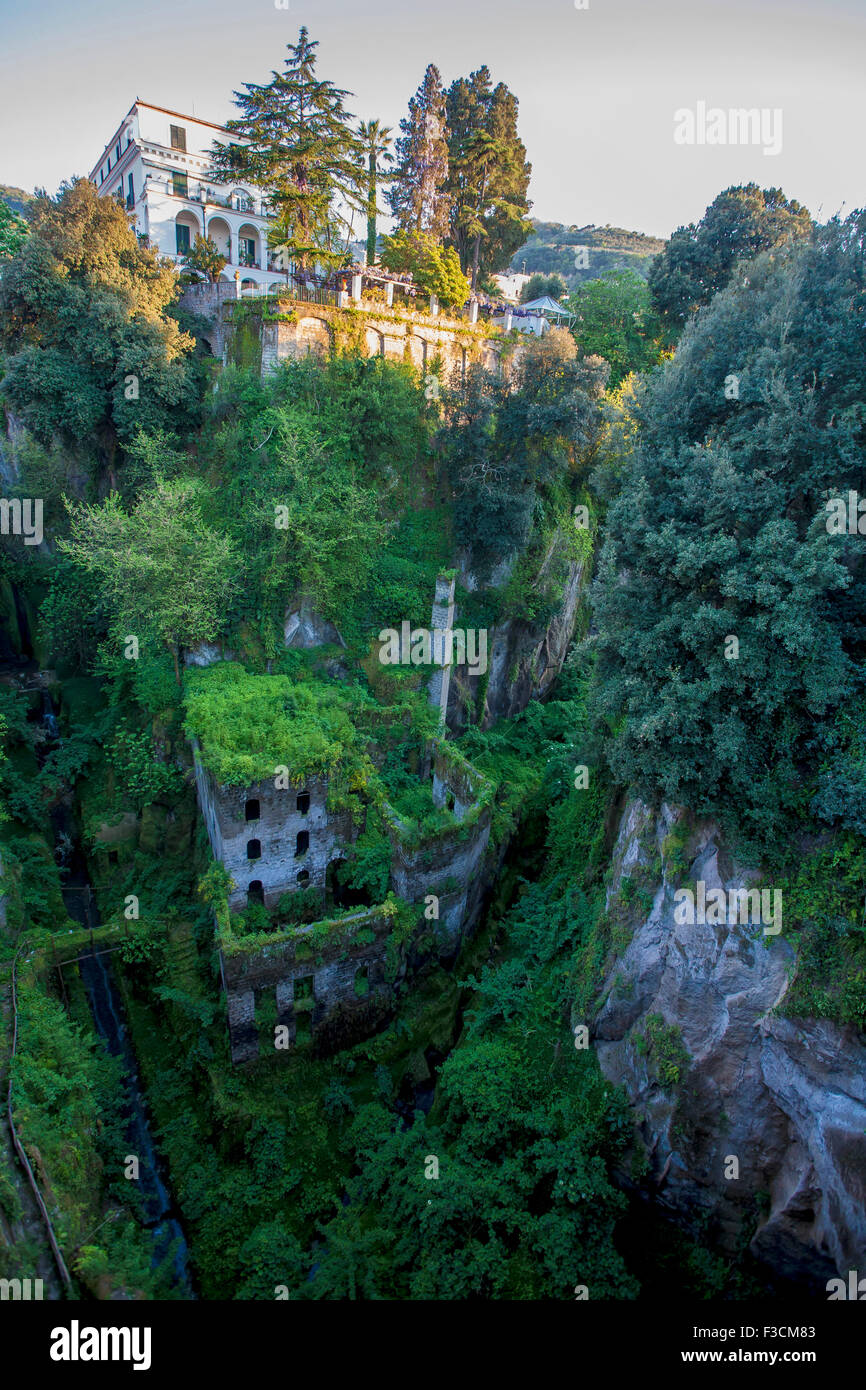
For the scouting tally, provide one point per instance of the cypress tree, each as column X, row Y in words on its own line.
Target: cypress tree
column 488, row 174
column 418, row 197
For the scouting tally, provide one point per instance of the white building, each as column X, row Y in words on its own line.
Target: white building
column 158, row 162
column 510, row 286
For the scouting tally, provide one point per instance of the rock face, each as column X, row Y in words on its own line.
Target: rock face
column 524, row 659
column 305, row 628
column 785, row 1097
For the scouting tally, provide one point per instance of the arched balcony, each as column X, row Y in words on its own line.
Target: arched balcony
column 219, row 232
column 186, row 229
column 249, row 246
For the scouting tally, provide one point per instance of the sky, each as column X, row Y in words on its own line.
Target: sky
column 598, row 87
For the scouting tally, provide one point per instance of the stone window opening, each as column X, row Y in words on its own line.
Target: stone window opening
column 252, row 810
column 450, row 801
column 303, row 1028
column 302, row 988
column 303, row 878
column 303, row 803
column 256, row 892
column 302, row 843
column 362, row 981
column 254, row 849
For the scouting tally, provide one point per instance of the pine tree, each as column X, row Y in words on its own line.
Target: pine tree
column 375, row 140
column 417, row 196
column 298, row 145
column 488, row 174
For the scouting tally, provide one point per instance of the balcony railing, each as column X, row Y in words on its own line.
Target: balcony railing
column 200, row 193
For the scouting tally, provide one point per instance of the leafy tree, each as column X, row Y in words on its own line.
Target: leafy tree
column 537, row 286
column 699, row 260
column 720, row 532
column 299, row 145
column 508, row 442
column 418, row 195
column 434, row 268
column 165, row 574
column 13, row 231
column 488, row 175
column 615, row 320
column 205, row 260
column 93, row 355
column 376, row 141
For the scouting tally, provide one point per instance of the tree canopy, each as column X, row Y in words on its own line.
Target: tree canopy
column 699, row 259
column 297, row 142
column 93, row 353
column 418, row 197
column 731, row 631
column 614, row 319
column 488, row 175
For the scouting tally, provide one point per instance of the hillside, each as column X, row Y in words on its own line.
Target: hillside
column 17, row 198
column 553, row 247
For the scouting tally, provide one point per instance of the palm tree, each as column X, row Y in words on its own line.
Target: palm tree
column 376, row 140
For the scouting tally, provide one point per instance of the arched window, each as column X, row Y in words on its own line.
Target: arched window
column 256, row 892
column 303, row 803
column 254, row 849
column 252, row 810
column 302, row 844
column 303, row 878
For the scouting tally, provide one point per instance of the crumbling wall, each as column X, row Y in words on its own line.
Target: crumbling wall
column 284, row 813
column 312, row 972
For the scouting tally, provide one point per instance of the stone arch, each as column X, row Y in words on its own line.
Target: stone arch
column 249, row 245
column 188, row 226
column 375, row 343
column 418, row 351
column 314, row 335
column 248, row 286
column 218, row 231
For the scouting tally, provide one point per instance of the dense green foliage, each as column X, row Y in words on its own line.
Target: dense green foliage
column 719, row 531
column 699, row 260
column 508, row 449
column 488, row 175
column 435, row 269
column 249, row 724
column 614, row 320
column 13, row 231
column 92, row 354
column 537, row 286
column 466, row 1149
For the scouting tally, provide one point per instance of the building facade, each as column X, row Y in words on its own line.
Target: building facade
column 158, row 163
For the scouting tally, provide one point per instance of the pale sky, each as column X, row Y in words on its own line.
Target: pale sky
column 597, row 88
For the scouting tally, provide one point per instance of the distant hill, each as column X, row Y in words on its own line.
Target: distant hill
column 553, row 247
column 17, row 198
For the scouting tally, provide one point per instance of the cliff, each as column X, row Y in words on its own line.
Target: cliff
column 690, row 1021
